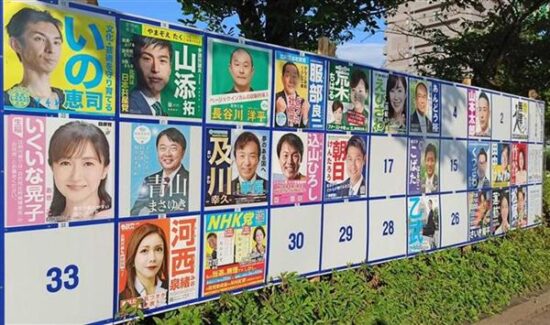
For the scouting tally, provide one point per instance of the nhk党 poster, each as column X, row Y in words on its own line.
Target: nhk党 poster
column 299, row 91
column 60, row 60
column 160, row 71
column 58, row 170
column 234, row 250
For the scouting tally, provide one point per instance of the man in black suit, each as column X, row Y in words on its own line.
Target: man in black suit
column 419, row 119
column 247, row 152
column 151, row 60
column 354, row 185
column 167, row 190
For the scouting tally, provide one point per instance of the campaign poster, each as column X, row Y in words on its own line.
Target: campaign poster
column 424, row 106
column 479, row 168
column 500, row 162
column 389, row 102
column 479, row 209
column 519, row 207
column 536, row 121
column 479, row 113
column 162, row 169
column 160, row 72
column 346, row 166
column 234, row 250
column 299, row 91
column 520, row 119
column 58, row 170
column 535, row 163
column 297, row 167
column 519, row 164
column 237, row 162
column 158, row 262
column 423, row 166
column 348, row 105
column 239, row 87
column 423, row 234
column 535, row 205
column 501, row 211
column 78, row 73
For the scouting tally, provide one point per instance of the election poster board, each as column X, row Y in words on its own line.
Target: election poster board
column 239, row 83
column 299, row 91
column 160, row 72
column 234, row 251
column 79, row 71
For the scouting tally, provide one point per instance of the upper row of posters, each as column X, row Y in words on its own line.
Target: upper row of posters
column 64, row 60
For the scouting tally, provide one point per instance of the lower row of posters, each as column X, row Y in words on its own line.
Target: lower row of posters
column 159, row 262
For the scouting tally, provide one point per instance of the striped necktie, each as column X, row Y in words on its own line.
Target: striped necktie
column 158, row 109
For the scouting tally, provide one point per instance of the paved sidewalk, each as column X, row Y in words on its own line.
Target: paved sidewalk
column 529, row 311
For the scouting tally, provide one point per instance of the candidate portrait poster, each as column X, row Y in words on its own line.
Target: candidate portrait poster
column 79, row 70
column 162, row 170
column 237, row 167
column 479, row 210
column 479, row 165
column 239, row 87
column 501, row 211
column 346, row 166
column 518, row 201
column 519, row 164
column 423, row 225
column 161, row 72
column 348, row 106
column 234, row 251
column 500, row 162
column 424, row 107
column 296, row 167
column 479, row 113
column 423, row 166
column 299, row 91
column 58, row 170
column 520, row 119
column 389, row 102
column 158, row 262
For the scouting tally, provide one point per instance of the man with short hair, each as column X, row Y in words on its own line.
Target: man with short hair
column 247, row 151
column 483, row 114
column 419, row 118
column 482, row 180
column 431, row 181
column 290, row 150
column 36, row 38
column 292, row 109
column 356, row 157
column 241, row 68
column 152, row 62
column 166, row 190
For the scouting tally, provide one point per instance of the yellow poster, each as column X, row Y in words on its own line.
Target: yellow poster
column 56, row 58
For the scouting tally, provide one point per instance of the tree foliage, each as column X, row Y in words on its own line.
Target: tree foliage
column 290, row 23
column 507, row 50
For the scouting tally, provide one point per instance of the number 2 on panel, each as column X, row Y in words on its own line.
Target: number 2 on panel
column 455, row 218
column 296, row 241
column 388, row 165
column 346, row 233
column 56, row 276
column 388, row 228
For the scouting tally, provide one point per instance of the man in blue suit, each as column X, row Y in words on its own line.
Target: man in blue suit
column 419, row 119
column 151, row 60
column 354, row 185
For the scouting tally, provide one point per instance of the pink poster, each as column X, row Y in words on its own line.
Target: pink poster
column 297, row 167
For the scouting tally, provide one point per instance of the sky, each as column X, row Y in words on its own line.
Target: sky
column 363, row 48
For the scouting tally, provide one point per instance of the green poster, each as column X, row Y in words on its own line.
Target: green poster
column 161, row 71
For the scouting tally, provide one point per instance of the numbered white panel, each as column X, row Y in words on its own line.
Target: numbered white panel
column 534, row 205
column 454, row 114
column 344, row 234
column 295, row 240
column 536, row 121
column 502, row 111
column 388, row 166
column 534, row 162
column 62, row 275
column 454, row 219
column 387, row 229
column 454, row 165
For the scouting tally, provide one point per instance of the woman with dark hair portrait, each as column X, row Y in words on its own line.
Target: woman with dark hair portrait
column 258, row 251
column 521, row 172
column 146, row 265
column 79, row 158
column 396, row 98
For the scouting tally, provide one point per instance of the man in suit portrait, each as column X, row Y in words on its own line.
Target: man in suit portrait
column 241, row 69
column 431, row 181
column 151, row 60
column 419, row 119
column 482, row 181
column 166, row 190
column 247, row 151
column 356, row 156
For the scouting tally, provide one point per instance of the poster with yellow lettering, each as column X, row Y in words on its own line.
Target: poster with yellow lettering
column 59, row 59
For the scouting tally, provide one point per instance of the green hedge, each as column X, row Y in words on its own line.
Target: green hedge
column 452, row 286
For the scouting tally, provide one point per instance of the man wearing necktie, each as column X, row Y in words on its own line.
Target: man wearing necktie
column 167, row 190
column 152, row 62
column 431, row 181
